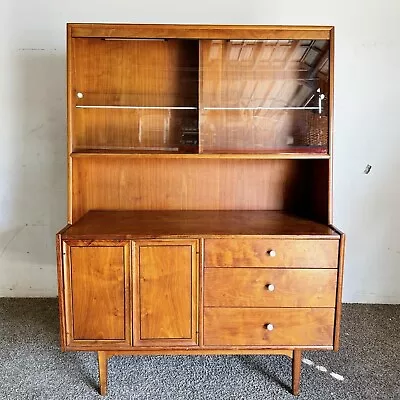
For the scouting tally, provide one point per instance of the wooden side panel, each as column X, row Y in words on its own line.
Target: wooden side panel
column 60, row 281
column 70, row 106
column 189, row 184
column 331, row 123
column 248, row 326
column 97, row 282
column 339, row 290
column 166, row 311
column 256, row 287
column 282, row 253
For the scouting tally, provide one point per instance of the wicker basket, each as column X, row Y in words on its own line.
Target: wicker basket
column 312, row 131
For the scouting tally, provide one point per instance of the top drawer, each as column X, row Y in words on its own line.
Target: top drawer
column 303, row 253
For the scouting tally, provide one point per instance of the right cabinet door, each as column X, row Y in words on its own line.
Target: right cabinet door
column 166, row 296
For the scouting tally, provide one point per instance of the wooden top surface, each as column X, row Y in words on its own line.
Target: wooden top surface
column 159, row 224
column 107, row 30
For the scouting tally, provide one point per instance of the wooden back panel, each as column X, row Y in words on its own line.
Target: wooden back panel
column 119, row 183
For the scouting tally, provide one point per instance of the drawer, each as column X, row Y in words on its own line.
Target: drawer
column 269, row 287
column 249, row 326
column 271, row 253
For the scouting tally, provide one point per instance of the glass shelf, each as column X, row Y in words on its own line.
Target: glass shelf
column 140, row 153
column 259, row 108
column 214, row 97
column 137, row 101
column 140, row 107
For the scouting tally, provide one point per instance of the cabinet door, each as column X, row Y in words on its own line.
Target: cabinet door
column 96, row 276
column 166, row 293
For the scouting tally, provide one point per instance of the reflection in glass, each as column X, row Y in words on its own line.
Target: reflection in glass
column 264, row 95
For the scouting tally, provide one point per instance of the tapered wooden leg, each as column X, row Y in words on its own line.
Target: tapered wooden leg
column 102, row 358
column 296, row 368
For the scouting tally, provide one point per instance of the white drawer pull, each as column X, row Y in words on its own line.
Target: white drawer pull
column 271, row 253
column 270, row 287
column 269, row 327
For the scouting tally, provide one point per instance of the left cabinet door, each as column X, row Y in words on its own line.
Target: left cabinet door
column 96, row 276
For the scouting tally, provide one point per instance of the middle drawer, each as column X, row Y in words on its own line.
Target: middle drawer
column 269, row 287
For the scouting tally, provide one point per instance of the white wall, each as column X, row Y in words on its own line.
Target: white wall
column 33, row 139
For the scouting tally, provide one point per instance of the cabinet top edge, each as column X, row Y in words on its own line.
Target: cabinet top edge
column 97, row 224
column 185, row 31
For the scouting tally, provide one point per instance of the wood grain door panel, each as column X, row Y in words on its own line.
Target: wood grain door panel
column 247, row 326
column 283, row 253
column 97, row 278
column 166, row 300
column 269, row 287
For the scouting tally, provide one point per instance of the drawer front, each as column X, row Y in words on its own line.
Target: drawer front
column 287, row 327
column 269, row 287
column 271, row 253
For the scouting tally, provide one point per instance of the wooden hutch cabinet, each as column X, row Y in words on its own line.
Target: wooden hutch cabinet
column 199, row 192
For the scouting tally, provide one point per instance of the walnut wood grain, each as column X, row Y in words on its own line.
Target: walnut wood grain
column 97, row 289
column 200, row 31
column 180, row 212
column 184, row 184
column 139, row 224
column 198, row 352
column 248, row 287
column 193, row 350
column 256, row 253
column 339, row 290
column 70, row 129
column 60, row 283
column 167, row 286
column 247, row 326
column 331, row 122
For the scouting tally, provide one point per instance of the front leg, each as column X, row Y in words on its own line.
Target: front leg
column 296, row 368
column 102, row 357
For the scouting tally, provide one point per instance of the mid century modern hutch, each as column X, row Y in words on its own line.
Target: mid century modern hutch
column 199, row 192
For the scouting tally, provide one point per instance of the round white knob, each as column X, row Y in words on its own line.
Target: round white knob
column 79, row 95
column 269, row 327
column 271, row 253
column 270, row 287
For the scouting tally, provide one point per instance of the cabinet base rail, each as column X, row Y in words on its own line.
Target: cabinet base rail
column 103, row 357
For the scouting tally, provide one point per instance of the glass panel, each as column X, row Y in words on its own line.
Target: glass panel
column 135, row 94
column 264, row 96
column 169, row 130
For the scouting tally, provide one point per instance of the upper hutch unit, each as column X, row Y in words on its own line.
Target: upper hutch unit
column 199, row 192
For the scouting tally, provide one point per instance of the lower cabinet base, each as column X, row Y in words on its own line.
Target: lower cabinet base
column 103, row 357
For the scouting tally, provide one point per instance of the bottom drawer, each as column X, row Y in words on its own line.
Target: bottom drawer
column 268, row 326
